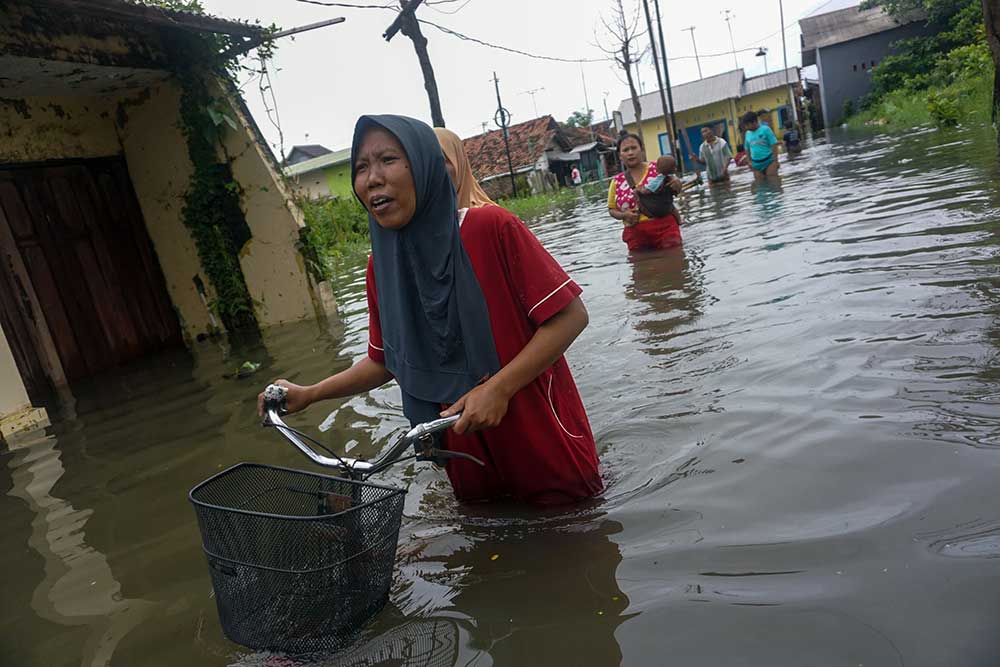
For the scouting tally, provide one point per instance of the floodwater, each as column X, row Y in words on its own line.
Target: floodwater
column 797, row 415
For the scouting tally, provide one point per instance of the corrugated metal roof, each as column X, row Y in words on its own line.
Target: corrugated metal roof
column 693, row 94
column 687, row 95
column 757, row 84
column 843, row 25
column 329, row 160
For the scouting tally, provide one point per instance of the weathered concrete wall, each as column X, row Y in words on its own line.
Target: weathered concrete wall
column 144, row 126
column 160, row 169
column 273, row 268
column 36, row 129
column 13, row 397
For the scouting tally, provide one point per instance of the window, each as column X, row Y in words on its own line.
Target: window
column 873, row 63
column 862, row 66
column 855, row 68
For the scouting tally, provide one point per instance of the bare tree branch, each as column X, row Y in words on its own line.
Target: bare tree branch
column 622, row 35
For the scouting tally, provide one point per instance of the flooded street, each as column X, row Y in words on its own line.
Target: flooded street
column 798, row 415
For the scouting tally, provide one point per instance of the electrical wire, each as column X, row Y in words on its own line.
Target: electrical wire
column 467, row 38
column 347, row 5
column 454, row 11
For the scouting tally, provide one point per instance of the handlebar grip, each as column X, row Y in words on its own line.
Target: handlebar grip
column 275, row 398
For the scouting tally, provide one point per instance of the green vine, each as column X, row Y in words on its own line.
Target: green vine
column 212, row 210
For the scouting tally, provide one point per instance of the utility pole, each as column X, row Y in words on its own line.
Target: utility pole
column 784, row 50
column 696, row 59
column 406, row 22
column 607, row 116
column 485, row 123
column 666, row 78
column 586, row 104
column 732, row 42
column 668, row 112
column 502, row 119
column 533, row 92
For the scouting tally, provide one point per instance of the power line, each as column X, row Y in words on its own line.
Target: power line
column 442, row 2
column 526, row 54
column 348, row 5
column 467, row 38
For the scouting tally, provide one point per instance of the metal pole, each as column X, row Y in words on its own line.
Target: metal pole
column 586, row 103
column 607, row 116
column 502, row 118
column 659, row 80
column 732, row 42
column 697, row 60
column 666, row 79
column 784, row 50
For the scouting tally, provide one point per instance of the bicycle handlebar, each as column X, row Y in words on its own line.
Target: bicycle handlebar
column 274, row 397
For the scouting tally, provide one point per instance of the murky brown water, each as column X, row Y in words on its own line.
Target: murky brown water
column 798, row 415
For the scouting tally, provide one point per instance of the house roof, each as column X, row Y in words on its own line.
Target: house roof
column 584, row 135
column 843, row 25
column 698, row 93
column 303, row 152
column 769, row 81
column 133, row 10
column 329, row 159
column 528, row 142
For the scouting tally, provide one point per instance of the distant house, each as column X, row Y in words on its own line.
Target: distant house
column 303, row 152
column 328, row 175
column 717, row 101
column 593, row 148
column 845, row 45
column 542, row 153
column 100, row 260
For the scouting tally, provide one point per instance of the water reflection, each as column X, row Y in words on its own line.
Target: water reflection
column 79, row 587
column 668, row 286
column 529, row 584
column 432, row 642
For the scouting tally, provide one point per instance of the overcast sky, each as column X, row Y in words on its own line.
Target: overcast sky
column 325, row 79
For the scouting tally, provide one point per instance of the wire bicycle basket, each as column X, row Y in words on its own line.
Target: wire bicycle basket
column 300, row 561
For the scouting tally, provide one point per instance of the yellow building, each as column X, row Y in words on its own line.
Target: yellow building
column 139, row 207
column 717, row 101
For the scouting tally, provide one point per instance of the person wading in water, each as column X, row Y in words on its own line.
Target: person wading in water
column 641, row 232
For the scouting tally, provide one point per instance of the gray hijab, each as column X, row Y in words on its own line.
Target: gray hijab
column 435, row 324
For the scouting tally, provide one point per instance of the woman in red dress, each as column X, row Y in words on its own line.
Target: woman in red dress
column 640, row 232
column 470, row 314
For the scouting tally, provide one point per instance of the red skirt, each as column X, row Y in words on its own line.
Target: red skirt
column 653, row 234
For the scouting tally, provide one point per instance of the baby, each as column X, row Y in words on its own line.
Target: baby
column 656, row 198
column 666, row 166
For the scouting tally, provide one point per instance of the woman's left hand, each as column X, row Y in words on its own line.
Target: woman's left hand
column 482, row 408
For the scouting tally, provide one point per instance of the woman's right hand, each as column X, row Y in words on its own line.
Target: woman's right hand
column 630, row 219
column 298, row 398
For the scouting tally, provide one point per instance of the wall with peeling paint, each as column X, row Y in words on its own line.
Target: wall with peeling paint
column 274, row 269
column 78, row 87
column 144, row 126
column 13, row 397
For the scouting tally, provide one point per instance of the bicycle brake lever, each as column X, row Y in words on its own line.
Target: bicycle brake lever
column 441, row 456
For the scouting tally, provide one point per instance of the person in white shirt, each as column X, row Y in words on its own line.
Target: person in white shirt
column 715, row 154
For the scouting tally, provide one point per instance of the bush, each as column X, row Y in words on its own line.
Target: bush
column 334, row 227
column 943, row 107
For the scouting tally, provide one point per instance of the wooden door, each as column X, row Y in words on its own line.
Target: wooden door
column 87, row 265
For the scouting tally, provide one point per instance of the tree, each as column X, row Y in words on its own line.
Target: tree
column 581, row 119
column 991, row 17
column 623, row 49
column 408, row 24
column 955, row 24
